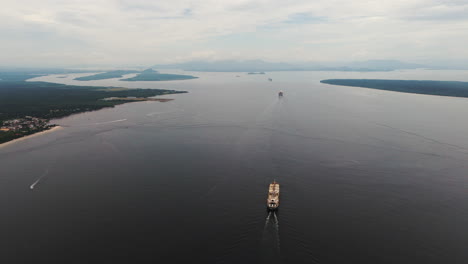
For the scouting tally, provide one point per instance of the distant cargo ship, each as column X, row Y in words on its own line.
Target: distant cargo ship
column 273, row 196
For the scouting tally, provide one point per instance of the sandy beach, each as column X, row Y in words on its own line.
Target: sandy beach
column 55, row 128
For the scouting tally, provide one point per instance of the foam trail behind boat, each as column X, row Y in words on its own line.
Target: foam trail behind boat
column 270, row 251
column 276, row 226
column 39, row 179
column 109, row 122
column 266, row 222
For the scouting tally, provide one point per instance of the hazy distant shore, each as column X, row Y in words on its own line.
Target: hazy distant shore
column 55, row 128
column 440, row 88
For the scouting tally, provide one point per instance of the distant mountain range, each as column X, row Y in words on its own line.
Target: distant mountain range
column 259, row 65
column 263, row 66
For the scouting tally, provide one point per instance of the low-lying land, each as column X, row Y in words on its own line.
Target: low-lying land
column 137, row 99
column 105, row 75
column 146, row 75
column 152, row 75
column 20, row 127
column 26, row 107
column 441, row 88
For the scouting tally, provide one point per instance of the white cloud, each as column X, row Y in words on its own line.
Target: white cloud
column 74, row 32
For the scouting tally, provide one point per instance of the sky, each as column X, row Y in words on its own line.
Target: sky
column 146, row 32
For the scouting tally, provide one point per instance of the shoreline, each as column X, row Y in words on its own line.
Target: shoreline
column 454, row 89
column 138, row 99
column 55, row 128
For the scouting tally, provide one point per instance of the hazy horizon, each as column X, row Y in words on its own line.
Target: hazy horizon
column 143, row 33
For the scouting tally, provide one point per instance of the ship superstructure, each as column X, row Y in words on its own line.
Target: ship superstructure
column 273, row 196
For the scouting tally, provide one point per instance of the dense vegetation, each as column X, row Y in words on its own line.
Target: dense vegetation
column 152, row 75
column 10, row 135
column 6, row 77
column 442, row 88
column 49, row 100
column 105, row 75
column 19, row 98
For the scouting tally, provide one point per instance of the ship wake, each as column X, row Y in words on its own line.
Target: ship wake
column 46, row 172
column 110, row 122
column 270, row 239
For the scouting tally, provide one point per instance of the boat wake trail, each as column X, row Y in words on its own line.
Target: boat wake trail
column 270, row 240
column 424, row 137
column 110, row 122
column 39, row 179
column 266, row 222
column 276, row 228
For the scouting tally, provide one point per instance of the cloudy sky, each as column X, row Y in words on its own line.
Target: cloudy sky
column 145, row 32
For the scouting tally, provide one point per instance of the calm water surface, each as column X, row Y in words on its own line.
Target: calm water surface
column 367, row 176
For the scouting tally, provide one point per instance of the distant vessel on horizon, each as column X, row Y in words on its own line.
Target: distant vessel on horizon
column 280, row 94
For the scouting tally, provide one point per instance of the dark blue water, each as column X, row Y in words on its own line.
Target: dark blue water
column 366, row 176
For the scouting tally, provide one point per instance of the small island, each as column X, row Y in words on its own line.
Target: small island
column 256, row 73
column 146, row 75
column 105, row 75
column 152, row 75
column 441, row 88
column 27, row 107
